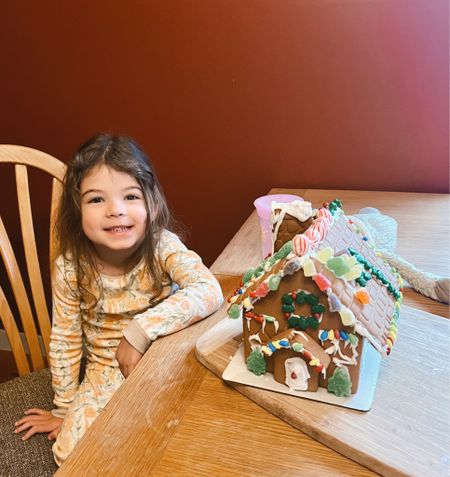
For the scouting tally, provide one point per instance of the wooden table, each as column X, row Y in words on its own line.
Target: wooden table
column 174, row 417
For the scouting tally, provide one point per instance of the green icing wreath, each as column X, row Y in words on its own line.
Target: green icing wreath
column 301, row 322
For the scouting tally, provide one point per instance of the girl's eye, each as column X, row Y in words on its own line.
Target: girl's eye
column 131, row 197
column 95, row 200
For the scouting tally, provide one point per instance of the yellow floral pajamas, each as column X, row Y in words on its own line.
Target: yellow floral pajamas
column 190, row 293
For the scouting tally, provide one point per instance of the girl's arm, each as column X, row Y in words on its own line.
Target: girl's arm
column 198, row 296
column 66, row 338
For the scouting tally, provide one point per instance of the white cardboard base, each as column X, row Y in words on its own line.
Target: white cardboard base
column 237, row 372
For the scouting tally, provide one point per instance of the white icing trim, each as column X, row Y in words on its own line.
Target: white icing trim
column 305, row 337
column 254, row 337
column 362, row 331
column 299, row 209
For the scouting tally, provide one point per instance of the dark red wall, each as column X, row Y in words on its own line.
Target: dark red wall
column 233, row 97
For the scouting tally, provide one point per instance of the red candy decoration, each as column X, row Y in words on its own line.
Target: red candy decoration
column 321, row 281
column 293, row 375
column 262, row 290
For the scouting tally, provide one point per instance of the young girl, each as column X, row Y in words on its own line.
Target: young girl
column 121, row 280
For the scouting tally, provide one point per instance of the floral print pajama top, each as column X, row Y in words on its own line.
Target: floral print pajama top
column 190, row 293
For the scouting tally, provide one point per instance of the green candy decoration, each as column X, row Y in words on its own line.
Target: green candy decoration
column 287, row 299
column 269, row 319
column 334, row 206
column 300, row 298
column 256, row 362
column 340, row 383
column 353, row 339
column 248, row 275
column 274, row 282
column 317, row 309
column 312, row 322
column 311, row 299
column 297, row 347
column 303, row 323
column 338, row 265
column 294, row 322
column 288, row 308
column 284, row 251
column 235, row 311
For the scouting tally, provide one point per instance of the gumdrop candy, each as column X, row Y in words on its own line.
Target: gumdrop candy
column 274, row 282
column 235, row 311
column 292, row 266
column 347, row 316
column 354, row 273
column 262, row 290
column 334, row 302
column 338, row 265
column 321, row 281
column 363, row 296
column 308, row 268
column 324, row 254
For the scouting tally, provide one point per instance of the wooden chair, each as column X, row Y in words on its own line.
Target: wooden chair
column 33, row 387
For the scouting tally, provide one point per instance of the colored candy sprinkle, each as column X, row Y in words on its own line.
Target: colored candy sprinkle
column 297, row 347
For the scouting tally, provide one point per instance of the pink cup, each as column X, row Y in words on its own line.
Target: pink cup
column 263, row 209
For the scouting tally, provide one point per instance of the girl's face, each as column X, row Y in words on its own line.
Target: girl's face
column 113, row 213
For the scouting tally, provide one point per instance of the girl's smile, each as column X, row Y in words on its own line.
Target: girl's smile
column 114, row 215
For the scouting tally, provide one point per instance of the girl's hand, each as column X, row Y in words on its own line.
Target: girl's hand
column 39, row 420
column 127, row 356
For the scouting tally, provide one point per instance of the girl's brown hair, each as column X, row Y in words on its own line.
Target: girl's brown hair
column 124, row 155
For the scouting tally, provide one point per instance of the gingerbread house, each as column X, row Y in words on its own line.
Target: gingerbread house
column 310, row 307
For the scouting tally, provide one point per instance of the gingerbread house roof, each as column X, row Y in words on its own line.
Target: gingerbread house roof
column 333, row 253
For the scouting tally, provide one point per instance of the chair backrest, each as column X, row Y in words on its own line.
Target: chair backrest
column 37, row 316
